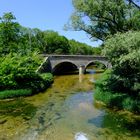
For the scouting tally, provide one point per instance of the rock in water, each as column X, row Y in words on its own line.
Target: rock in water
column 80, row 136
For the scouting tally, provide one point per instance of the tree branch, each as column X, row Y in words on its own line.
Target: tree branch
column 136, row 5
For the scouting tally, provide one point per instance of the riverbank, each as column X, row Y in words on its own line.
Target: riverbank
column 120, row 101
column 39, row 84
column 18, row 76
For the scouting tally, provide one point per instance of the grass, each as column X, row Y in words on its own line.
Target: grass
column 15, row 93
column 115, row 100
column 31, row 87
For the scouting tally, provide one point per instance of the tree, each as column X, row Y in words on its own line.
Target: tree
column 101, row 18
column 56, row 43
column 80, row 48
column 123, row 51
column 135, row 3
column 9, row 33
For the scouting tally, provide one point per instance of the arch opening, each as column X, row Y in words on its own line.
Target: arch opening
column 96, row 65
column 64, row 68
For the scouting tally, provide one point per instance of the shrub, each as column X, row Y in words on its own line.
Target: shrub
column 18, row 72
column 131, row 104
column 123, row 51
column 112, row 100
column 105, row 94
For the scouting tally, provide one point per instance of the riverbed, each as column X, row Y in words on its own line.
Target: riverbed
column 64, row 110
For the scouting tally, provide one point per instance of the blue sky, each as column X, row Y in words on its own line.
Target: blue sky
column 45, row 15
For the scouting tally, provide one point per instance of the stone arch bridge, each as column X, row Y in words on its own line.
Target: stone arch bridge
column 55, row 63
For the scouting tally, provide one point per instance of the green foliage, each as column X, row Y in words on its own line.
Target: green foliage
column 79, row 48
column 18, row 72
column 47, row 77
column 113, row 99
column 131, row 104
column 109, row 99
column 56, row 43
column 9, row 34
column 17, row 39
column 19, row 56
column 15, row 93
column 82, row 48
column 101, row 18
column 123, row 52
column 121, row 86
column 97, row 50
column 15, row 68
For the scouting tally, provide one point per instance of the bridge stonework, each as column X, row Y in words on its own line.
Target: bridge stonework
column 80, row 61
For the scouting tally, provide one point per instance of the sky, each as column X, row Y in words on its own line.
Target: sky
column 45, row 15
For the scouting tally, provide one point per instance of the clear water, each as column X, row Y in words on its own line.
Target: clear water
column 66, row 111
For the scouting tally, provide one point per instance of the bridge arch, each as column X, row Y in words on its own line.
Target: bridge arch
column 64, row 67
column 96, row 62
column 57, row 62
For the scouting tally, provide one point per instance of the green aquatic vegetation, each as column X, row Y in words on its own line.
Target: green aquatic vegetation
column 17, row 108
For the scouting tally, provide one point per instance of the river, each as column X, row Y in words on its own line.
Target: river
column 63, row 111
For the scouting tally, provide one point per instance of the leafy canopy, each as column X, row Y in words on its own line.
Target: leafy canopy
column 100, row 18
column 123, row 51
column 9, row 33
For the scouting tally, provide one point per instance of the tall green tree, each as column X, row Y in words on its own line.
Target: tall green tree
column 56, row 43
column 123, row 51
column 9, row 33
column 82, row 48
column 100, row 18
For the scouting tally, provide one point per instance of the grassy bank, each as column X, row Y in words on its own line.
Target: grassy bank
column 113, row 99
column 39, row 84
column 18, row 76
column 15, row 93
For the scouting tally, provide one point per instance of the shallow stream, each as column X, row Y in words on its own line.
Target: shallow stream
column 63, row 111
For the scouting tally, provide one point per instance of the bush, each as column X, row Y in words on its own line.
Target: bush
column 123, row 51
column 120, row 87
column 131, row 104
column 18, row 72
column 105, row 94
column 47, row 77
column 112, row 100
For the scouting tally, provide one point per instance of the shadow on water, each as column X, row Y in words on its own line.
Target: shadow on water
column 67, row 73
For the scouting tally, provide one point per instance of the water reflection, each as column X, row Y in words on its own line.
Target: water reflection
column 80, row 136
column 92, row 73
column 81, row 76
